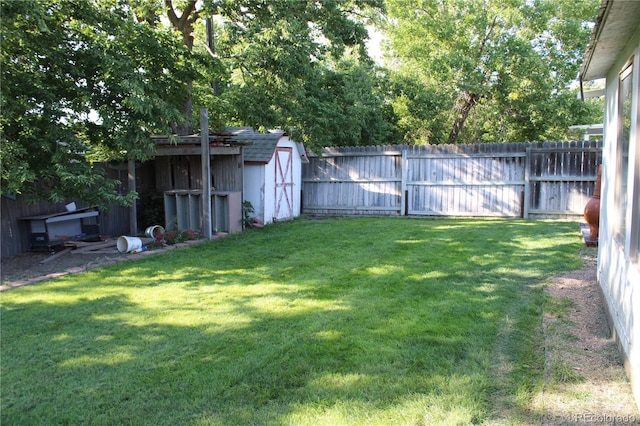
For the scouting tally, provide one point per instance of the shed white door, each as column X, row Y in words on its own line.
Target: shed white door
column 284, row 183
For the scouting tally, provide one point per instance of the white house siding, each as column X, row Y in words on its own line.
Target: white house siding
column 618, row 257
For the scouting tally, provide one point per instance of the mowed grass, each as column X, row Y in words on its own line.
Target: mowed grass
column 339, row 321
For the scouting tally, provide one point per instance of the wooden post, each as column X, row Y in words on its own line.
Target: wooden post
column 133, row 211
column 527, row 184
column 404, row 172
column 206, row 174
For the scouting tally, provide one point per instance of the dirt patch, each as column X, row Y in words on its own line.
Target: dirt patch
column 29, row 268
column 585, row 382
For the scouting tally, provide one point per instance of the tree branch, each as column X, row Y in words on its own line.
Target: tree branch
column 171, row 13
column 185, row 18
column 207, row 48
column 191, row 7
column 487, row 34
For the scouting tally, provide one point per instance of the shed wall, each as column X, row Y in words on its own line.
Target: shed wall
column 254, row 188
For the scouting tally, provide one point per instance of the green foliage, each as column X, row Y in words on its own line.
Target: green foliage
column 344, row 106
column 418, row 111
column 501, row 67
column 82, row 82
column 300, row 66
column 247, row 210
column 90, row 81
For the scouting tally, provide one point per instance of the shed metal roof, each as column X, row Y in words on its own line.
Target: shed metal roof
column 263, row 145
column 258, row 147
column 617, row 21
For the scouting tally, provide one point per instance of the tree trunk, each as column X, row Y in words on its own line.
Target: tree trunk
column 184, row 24
column 468, row 100
column 186, row 128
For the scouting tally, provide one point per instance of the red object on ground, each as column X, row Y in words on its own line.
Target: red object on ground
column 592, row 210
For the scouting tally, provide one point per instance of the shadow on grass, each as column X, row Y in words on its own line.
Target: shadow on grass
column 344, row 322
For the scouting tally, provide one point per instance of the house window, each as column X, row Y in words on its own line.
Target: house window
column 635, row 197
column 622, row 153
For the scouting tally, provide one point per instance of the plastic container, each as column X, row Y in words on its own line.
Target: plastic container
column 128, row 244
column 154, row 231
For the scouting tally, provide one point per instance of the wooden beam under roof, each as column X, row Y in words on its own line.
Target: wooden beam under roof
column 219, row 138
column 220, row 144
column 172, row 150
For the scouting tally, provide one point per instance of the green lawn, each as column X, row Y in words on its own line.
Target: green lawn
column 330, row 322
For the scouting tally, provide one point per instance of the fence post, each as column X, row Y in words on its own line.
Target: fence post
column 403, row 183
column 527, row 187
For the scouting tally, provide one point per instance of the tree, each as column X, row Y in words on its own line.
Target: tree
column 510, row 58
column 275, row 64
column 419, row 111
column 82, row 82
column 90, row 81
column 345, row 106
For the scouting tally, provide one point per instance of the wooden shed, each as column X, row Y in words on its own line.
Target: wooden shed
column 272, row 173
column 190, row 169
column 170, row 184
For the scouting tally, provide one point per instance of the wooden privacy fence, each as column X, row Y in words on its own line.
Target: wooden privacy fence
column 546, row 179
